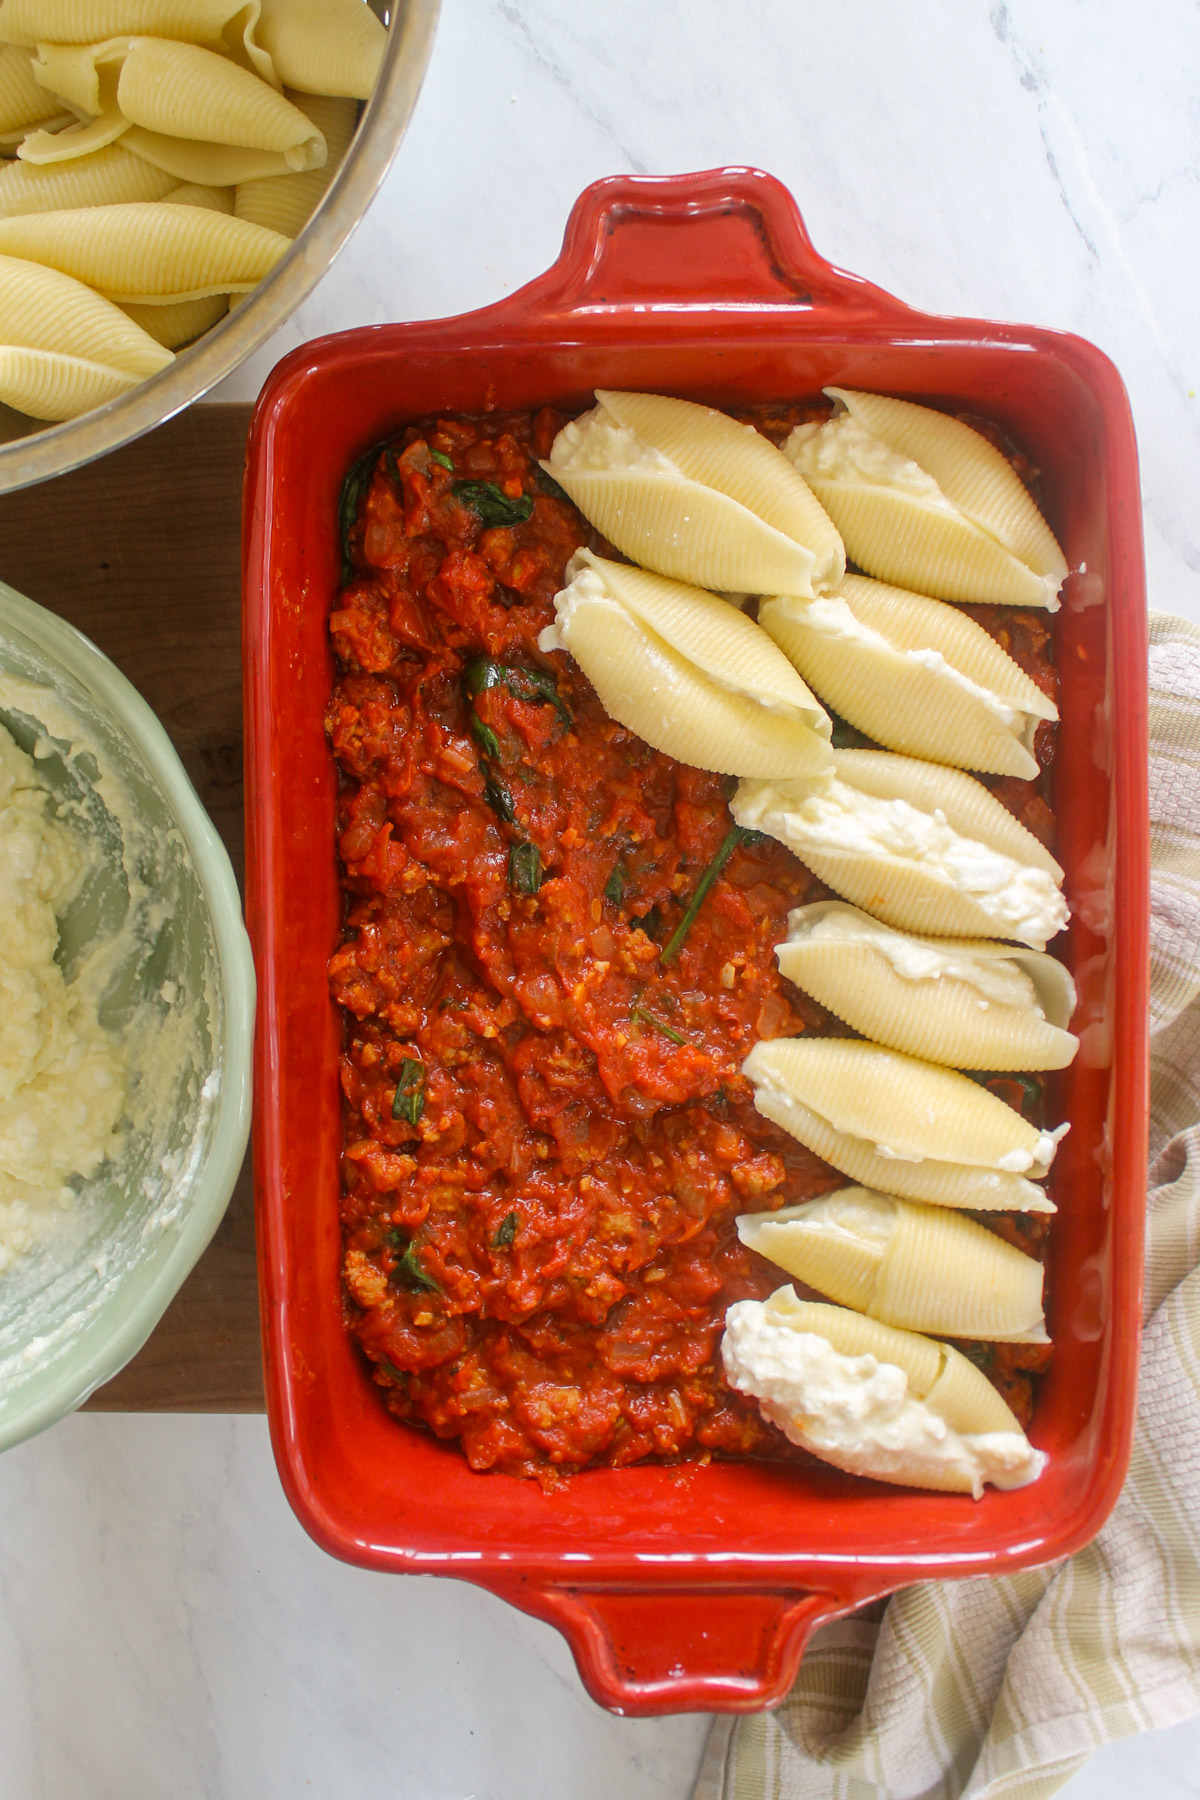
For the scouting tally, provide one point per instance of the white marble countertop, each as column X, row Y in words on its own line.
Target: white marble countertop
column 165, row 1626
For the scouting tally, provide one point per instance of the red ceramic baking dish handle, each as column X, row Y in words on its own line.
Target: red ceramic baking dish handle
column 645, row 1651
column 725, row 237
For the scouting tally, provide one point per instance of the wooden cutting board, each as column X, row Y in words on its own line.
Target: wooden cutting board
column 141, row 551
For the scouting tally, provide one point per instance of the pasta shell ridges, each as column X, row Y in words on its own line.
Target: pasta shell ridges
column 900, row 538
column 48, row 385
column 734, row 459
column 109, row 176
column 146, row 252
column 970, row 472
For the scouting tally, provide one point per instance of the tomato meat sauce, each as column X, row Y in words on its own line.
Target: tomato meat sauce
column 547, row 1137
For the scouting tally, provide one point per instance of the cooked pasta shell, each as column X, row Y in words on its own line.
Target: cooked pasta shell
column 875, row 1400
column 924, row 848
column 923, row 1268
column 85, row 76
column 900, row 524
column 285, row 203
column 147, row 253
column 191, row 193
column 324, row 46
column 47, row 385
column 968, row 1002
column 107, row 177
column 23, row 101
column 177, row 325
column 973, row 474
column 88, row 21
column 185, row 91
column 42, row 310
column 902, row 1126
column 80, row 138
column 207, row 165
column 686, row 671
column 914, row 674
column 687, row 491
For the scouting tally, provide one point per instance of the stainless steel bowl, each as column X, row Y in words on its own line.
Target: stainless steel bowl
column 35, row 453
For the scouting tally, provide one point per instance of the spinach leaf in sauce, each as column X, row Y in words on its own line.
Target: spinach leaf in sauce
column 492, row 504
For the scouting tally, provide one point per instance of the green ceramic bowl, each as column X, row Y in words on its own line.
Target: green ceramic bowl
column 180, row 989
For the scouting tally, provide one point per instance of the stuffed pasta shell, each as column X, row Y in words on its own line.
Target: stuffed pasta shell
column 687, row 672
column 966, row 1002
column 687, row 491
column 924, row 501
column 873, row 1400
column 900, row 1125
column 922, row 847
column 914, row 674
column 923, row 1268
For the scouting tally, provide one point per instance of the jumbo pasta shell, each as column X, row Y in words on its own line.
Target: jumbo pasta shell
column 909, row 1110
column 285, row 203
column 686, row 671
column 147, row 254
column 914, row 674
column 921, row 1268
column 184, row 91
column 208, row 165
column 47, row 385
column 901, row 1126
column 323, row 46
column 190, row 193
column 937, row 1373
column 970, row 1003
column 44, row 311
column 88, row 21
column 925, row 848
column 712, row 518
column 174, row 326
column 972, row 473
column 108, row 177
column 79, row 139
column 736, row 460
column 23, row 100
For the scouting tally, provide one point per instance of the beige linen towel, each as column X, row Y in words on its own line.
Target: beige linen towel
column 1001, row 1689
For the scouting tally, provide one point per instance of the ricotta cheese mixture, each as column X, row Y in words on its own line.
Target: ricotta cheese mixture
column 994, row 978
column 839, row 449
column 62, row 1080
column 1024, row 901
column 595, row 442
column 858, row 1414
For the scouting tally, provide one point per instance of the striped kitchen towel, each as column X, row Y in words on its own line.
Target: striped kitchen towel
column 1001, row 1689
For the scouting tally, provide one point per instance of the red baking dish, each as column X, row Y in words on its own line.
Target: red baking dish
column 692, row 1587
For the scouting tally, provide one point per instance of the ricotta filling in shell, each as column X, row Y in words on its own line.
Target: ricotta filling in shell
column 857, row 1413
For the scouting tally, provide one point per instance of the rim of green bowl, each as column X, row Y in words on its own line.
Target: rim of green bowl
column 119, row 1330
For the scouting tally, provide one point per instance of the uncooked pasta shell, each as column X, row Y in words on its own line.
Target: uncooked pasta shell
column 285, row 203
column 911, row 1109
column 940, row 1016
column 23, row 100
column 107, row 177
column 655, row 691
column 147, row 254
column 972, row 473
column 209, row 165
column 43, row 310
column 937, row 1373
column 736, row 460
column 47, row 385
column 914, row 674
column 323, row 46
column 177, row 325
column 715, row 637
column 921, row 1268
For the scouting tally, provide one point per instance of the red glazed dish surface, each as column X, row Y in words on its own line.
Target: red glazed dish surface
column 540, row 1241
column 688, row 1586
